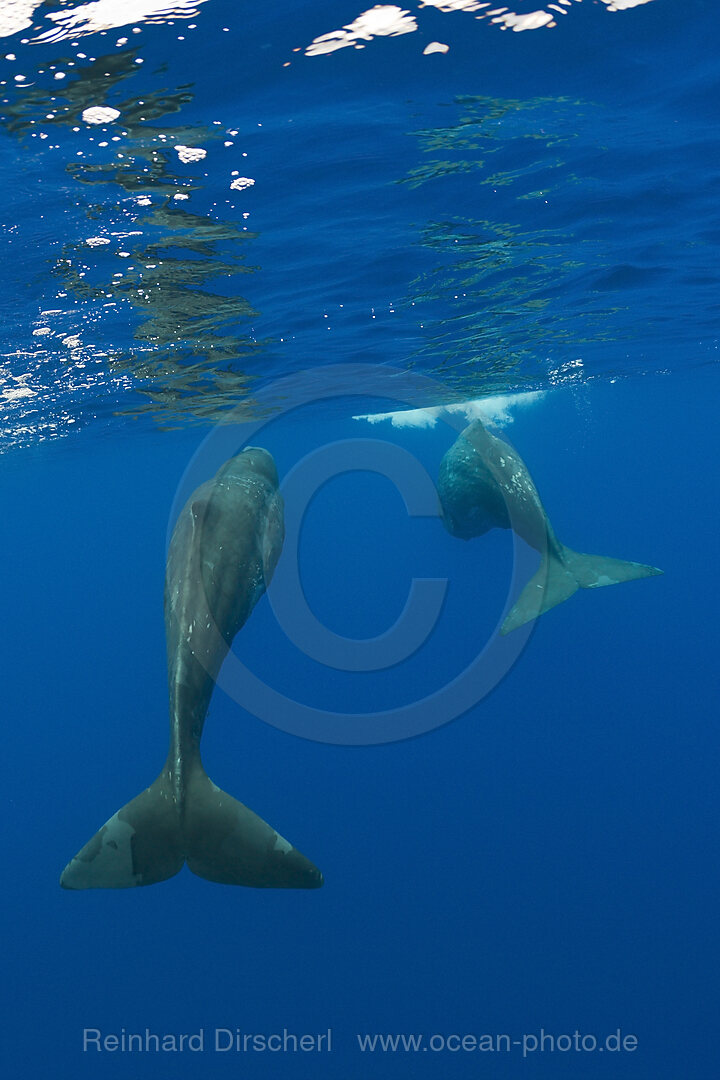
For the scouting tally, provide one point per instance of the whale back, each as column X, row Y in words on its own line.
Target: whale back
column 484, row 484
column 471, row 499
column 222, row 555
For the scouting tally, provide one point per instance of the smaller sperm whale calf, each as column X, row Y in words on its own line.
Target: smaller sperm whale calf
column 222, row 555
column 484, row 484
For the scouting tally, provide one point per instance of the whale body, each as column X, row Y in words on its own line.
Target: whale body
column 484, row 484
column 222, row 555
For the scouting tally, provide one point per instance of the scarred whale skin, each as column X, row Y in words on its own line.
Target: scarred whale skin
column 484, row 484
column 222, row 555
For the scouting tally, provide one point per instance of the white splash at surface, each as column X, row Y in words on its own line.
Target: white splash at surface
column 623, row 5
column 188, row 154
column 383, row 20
column 16, row 15
column 496, row 410
column 14, row 387
column 531, row 20
column 454, row 5
column 99, row 114
column 390, row 20
column 102, row 15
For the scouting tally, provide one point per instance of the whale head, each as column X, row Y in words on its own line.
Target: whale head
column 255, row 459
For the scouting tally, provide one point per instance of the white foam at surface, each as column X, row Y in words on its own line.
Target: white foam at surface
column 496, row 409
column 111, row 14
column 454, row 5
column 390, row 20
column 19, row 390
column 99, row 114
column 532, row 20
column 383, row 20
column 190, row 153
column 623, row 5
column 16, row 15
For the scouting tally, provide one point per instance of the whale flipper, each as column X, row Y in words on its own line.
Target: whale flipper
column 561, row 573
column 150, row 839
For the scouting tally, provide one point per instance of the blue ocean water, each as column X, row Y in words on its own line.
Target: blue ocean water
column 528, row 221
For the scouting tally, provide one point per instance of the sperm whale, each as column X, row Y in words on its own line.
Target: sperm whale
column 223, row 551
column 483, row 484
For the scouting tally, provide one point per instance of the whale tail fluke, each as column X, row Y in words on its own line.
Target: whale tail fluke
column 228, row 843
column 149, row 839
column 562, row 572
column 141, row 844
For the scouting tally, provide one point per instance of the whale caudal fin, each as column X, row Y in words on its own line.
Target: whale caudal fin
column 226, row 842
column 148, row 841
column 563, row 572
column 140, row 845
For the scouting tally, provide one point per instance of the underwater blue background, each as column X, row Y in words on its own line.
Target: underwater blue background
column 530, row 213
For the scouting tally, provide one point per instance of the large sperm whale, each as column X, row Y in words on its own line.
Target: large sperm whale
column 484, row 484
column 222, row 555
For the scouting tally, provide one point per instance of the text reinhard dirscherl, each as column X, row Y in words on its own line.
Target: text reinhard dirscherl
column 222, row 1040
column 219, row 1040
